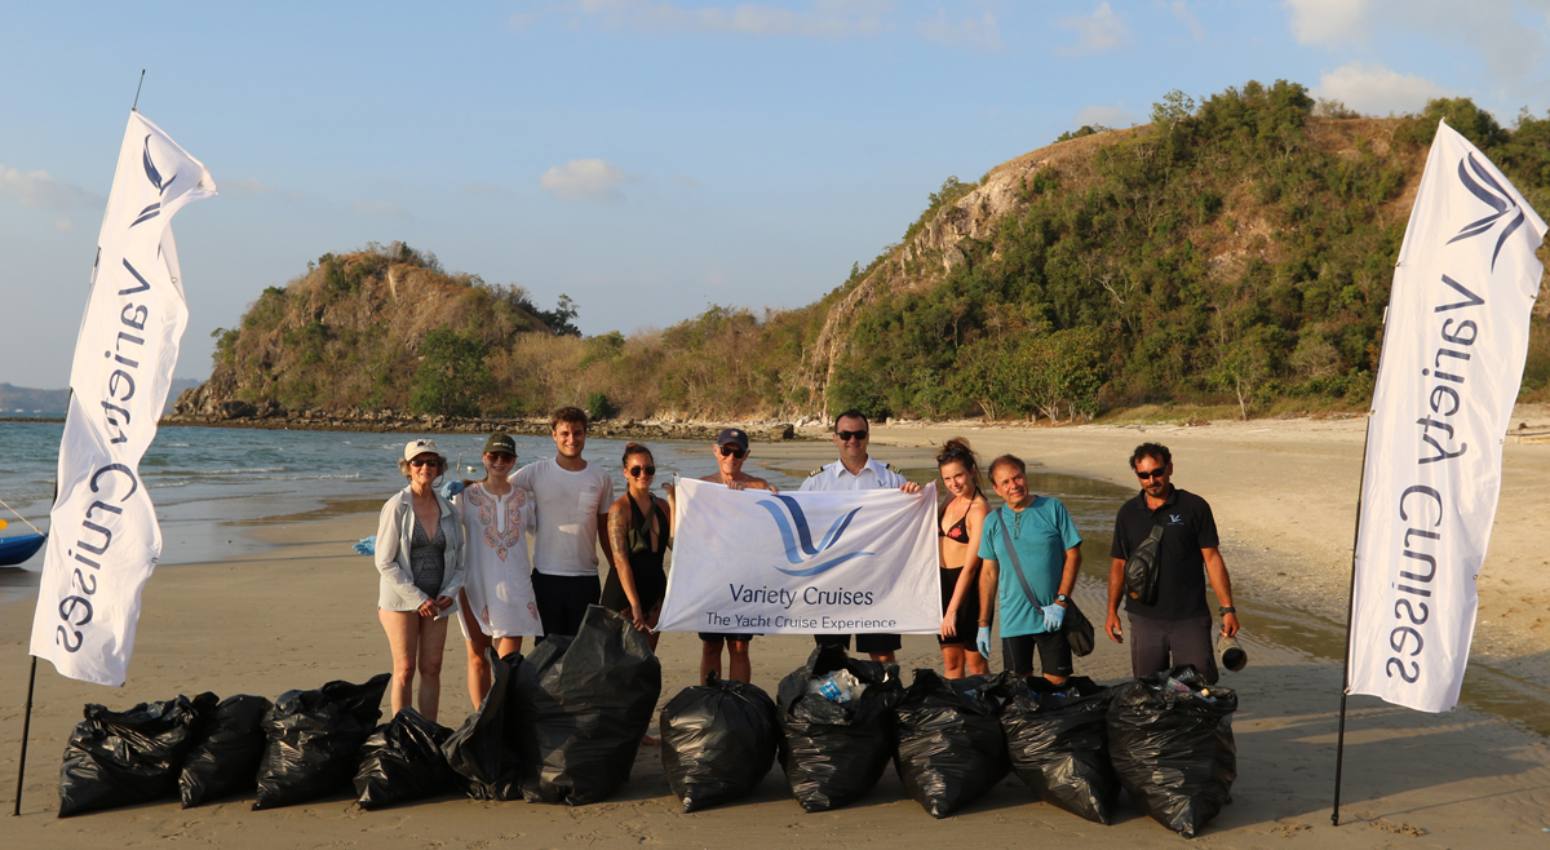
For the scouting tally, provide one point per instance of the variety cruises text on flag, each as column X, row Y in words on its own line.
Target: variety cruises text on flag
column 1453, row 348
column 104, row 539
column 803, row 563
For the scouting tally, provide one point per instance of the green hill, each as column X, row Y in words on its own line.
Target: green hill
column 1235, row 252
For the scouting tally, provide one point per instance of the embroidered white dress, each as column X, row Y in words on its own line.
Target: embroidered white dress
column 499, row 580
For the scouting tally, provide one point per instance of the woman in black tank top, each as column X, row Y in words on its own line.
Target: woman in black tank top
column 639, row 528
column 958, row 539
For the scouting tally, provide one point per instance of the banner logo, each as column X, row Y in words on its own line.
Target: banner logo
column 1496, row 197
column 798, row 538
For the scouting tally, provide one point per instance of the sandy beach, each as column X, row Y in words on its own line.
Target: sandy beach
column 295, row 610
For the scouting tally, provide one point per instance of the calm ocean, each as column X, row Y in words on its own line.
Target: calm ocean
column 206, row 481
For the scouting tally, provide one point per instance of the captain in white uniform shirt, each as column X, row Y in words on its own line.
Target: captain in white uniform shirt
column 856, row 471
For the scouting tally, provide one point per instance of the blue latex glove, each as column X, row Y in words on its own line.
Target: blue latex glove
column 1054, row 615
column 982, row 641
column 450, row 489
column 366, row 546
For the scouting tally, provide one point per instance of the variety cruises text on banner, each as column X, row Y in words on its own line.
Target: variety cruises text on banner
column 803, row 563
column 1453, row 350
column 104, row 539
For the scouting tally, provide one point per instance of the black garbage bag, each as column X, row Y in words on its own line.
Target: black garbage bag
column 1057, row 737
column 492, row 747
column 718, row 741
column 314, row 740
column 119, row 758
column 1170, row 739
column 225, row 756
column 950, row 747
column 402, row 761
column 591, row 697
column 833, row 753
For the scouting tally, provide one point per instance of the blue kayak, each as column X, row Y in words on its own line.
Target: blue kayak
column 14, row 550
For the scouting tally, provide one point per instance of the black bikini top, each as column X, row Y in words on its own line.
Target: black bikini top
column 958, row 532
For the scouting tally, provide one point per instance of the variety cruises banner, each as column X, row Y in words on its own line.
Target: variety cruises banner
column 803, row 563
column 103, row 539
column 1453, row 350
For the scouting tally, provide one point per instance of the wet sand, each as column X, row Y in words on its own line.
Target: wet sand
column 300, row 613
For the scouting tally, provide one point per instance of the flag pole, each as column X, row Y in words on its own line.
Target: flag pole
column 135, row 107
column 1345, row 669
column 21, row 768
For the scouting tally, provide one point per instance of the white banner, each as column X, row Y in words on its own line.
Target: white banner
column 803, row 563
column 103, row 537
column 1453, row 349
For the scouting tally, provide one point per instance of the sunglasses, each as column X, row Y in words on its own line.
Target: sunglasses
column 732, row 451
column 502, row 457
column 847, row 436
column 425, row 461
column 635, row 471
column 1156, row 473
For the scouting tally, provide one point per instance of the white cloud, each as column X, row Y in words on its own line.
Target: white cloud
column 1095, row 33
column 818, row 19
column 982, row 33
column 1105, row 116
column 38, row 190
column 1376, row 90
column 583, row 179
column 1329, row 22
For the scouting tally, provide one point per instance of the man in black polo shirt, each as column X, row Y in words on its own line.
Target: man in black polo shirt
column 1176, row 629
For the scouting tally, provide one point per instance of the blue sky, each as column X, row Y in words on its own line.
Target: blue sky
column 647, row 157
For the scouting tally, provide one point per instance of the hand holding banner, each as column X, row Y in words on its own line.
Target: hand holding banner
column 803, row 563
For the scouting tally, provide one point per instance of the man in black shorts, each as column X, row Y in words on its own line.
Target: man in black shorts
column 1176, row 629
column 731, row 450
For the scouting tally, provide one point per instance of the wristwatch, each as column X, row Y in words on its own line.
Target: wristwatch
column 1226, row 609
column 1061, row 597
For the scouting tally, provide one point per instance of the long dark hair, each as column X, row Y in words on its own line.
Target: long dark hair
column 956, row 450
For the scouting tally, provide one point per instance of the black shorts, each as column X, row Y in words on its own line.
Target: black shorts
column 968, row 620
column 709, row 636
column 563, row 600
column 1054, row 654
column 873, row 643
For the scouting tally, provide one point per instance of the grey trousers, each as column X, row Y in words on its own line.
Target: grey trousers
column 1157, row 644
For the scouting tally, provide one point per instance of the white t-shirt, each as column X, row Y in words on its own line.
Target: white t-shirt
column 568, row 505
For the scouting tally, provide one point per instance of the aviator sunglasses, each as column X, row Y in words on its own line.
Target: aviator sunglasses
column 847, row 436
column 635, row 471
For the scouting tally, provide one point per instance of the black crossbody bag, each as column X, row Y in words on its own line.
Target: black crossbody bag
column 1078, row 629
column 1141, row 569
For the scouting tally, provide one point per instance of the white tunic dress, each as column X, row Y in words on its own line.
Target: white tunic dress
column 499, row 580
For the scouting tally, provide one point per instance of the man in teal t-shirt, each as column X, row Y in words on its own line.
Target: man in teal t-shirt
column 1047, row 549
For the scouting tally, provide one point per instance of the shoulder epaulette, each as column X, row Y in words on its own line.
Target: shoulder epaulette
column 818, row 471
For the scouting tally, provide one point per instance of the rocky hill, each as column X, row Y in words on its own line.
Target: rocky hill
column 1237, row 251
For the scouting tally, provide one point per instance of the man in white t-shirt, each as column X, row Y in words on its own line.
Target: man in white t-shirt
column 856, row 471
column 572, row 499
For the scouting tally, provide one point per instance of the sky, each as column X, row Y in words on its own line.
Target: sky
column 648, row 158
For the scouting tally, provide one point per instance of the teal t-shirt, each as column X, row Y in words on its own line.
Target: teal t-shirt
column 1042, row 532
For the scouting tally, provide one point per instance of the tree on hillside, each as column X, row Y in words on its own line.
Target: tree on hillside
column 451, row 377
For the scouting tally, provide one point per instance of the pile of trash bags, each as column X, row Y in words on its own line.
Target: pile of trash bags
column 718, row 741
column 836, row 719
column 1170, row 740
column 950, row 748
column 119, row 758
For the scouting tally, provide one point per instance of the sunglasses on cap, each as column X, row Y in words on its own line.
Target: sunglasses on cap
column 732, row 451
column 635, row 471
column 1160, row 472
column 847, row 436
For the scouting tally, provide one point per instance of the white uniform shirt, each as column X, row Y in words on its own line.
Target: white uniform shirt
column 876, row 475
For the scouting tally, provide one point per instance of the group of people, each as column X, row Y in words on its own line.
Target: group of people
column 461, row 549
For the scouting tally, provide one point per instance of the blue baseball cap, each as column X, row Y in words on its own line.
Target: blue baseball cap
column 733, row 437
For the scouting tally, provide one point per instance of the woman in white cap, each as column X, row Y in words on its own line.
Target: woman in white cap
column 419, row 554
column 497, row 603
